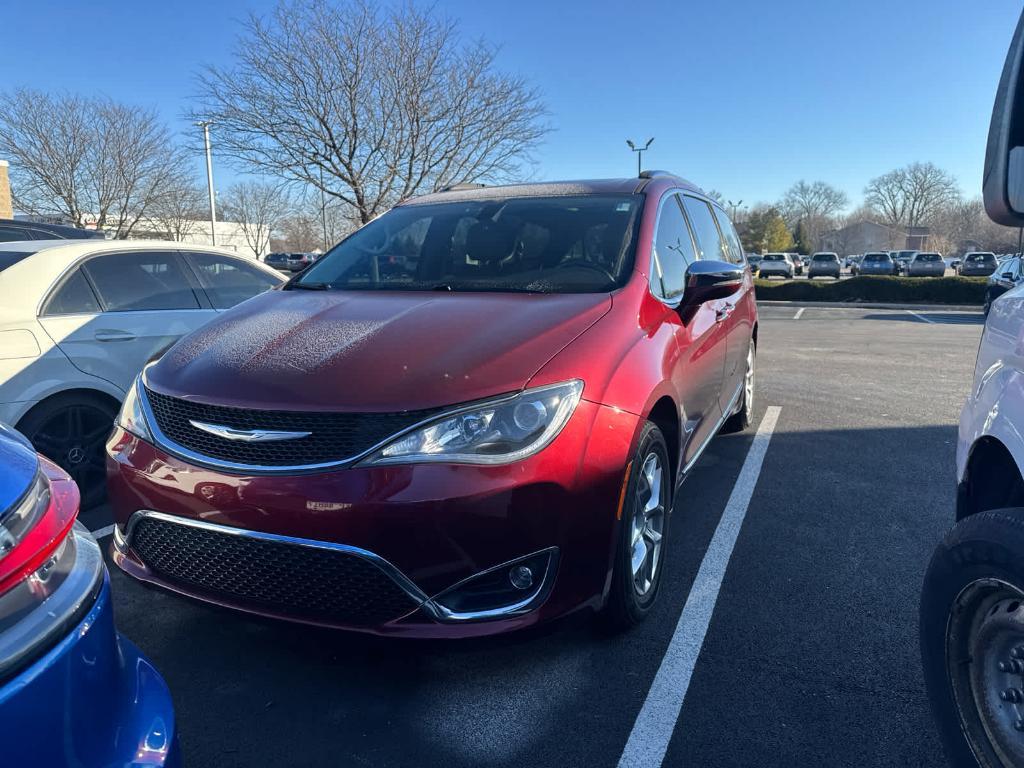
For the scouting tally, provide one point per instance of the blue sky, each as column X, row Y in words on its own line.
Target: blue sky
column 745, row 97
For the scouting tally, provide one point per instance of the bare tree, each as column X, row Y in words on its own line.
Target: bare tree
column 912, row 195
column 370, row 106
column 259, row 208
column 181, row 210
column 811, row 201
column 86, row 160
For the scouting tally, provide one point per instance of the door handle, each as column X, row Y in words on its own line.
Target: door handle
column 108, row 335
column 723, row 312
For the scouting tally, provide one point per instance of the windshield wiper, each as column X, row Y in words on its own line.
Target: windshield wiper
column 310, row 286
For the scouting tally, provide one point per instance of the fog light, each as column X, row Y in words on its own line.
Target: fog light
column 521, row 577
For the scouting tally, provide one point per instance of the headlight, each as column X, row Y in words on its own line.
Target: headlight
column 499, row 431
column 131, row 417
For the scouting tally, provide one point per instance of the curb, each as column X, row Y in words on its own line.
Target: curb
column 873, row 305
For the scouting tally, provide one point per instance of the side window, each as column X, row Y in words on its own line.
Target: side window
column 142, row 280
column 734, row 250
column 229, row 281
column 709, row 241
column 673, row 251
column 12, row 234
column 74, row 297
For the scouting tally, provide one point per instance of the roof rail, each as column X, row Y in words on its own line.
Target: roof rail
column 462, row 185
column 655, row 173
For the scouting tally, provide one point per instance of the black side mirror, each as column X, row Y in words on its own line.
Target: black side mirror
column 1003, row 181
column 709, row 280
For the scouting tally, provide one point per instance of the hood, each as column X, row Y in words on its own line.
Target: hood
column 373, row 351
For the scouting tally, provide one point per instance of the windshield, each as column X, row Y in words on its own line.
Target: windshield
column 532, row 244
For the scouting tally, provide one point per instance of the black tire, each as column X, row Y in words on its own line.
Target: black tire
column 71, row 430
column 987, row 546
column 625, row 607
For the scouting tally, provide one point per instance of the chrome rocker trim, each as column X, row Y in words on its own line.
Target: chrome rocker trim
column 122, row 541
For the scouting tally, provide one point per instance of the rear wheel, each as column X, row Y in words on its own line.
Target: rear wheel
column 636, row 575
column 71, row 431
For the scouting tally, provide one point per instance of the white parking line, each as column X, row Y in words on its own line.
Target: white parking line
column 920, row 317
column 798, row 313
column 653, row 728
column 104, row 531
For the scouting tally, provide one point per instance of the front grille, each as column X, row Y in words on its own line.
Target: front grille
column 305, row 582
column 335, row 436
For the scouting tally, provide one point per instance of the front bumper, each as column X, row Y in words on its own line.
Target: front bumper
column 91, row 698
column 428, row 527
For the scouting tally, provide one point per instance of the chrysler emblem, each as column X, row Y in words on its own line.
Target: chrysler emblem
column 247, row 435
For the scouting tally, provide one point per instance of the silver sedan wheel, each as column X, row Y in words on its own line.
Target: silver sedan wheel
column 648, row 524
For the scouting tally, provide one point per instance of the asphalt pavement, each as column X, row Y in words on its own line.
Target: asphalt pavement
column 810, row 654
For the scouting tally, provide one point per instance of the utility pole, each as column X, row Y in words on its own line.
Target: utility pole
column 639, row 153
column 323, row 207
column 205, row 125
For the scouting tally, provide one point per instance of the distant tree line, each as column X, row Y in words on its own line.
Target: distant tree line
column 813, row 216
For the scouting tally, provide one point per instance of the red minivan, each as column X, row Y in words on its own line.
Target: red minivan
column 469, row 416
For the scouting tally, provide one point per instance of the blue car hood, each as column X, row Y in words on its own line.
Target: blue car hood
column 18, row 466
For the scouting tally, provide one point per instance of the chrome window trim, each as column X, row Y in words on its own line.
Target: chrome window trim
column 672, row 193
column 429, row 605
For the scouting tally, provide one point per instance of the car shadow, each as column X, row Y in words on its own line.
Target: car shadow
column 827, row 567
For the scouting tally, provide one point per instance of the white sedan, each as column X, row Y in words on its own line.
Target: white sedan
column 80, row 319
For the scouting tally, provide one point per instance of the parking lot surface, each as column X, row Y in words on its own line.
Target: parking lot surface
column 811, row 654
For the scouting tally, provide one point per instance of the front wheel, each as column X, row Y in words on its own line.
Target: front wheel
column 744, row 414
column 636, row 574
column 972, row 639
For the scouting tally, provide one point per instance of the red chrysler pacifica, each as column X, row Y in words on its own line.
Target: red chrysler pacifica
column 469, row 416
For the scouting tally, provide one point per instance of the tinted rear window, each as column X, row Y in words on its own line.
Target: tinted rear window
column 978, row 258
column 825, row 257
column 774, row 257
column 928, row 257
column 10, row 258
column 874, row 258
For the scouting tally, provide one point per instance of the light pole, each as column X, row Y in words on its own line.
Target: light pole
column 639, row 152
column 733, row 208
column 205, row 125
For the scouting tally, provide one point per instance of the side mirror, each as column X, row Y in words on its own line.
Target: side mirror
column 1003, row 180
column 709, row 280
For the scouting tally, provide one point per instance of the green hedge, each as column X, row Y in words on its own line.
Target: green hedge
column 898, row 290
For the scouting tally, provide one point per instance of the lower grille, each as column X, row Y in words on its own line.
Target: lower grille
column 306, row 582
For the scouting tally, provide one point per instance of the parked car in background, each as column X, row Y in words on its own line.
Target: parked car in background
column 902, row 261
column 1006, row 277
column 876, row 263
column 926, row 264
column 800, row 263
column 978, row 264
column 754, row 259
column 289, row 262
column 850, row 262
column 78, row 321
column 73, row 692
column 537, row 481
column 12, row 230
column 824, row 264
column 776, row 265
column 954, row 264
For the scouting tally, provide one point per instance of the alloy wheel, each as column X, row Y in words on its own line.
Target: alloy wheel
column 648, row 525
column 73, row 437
